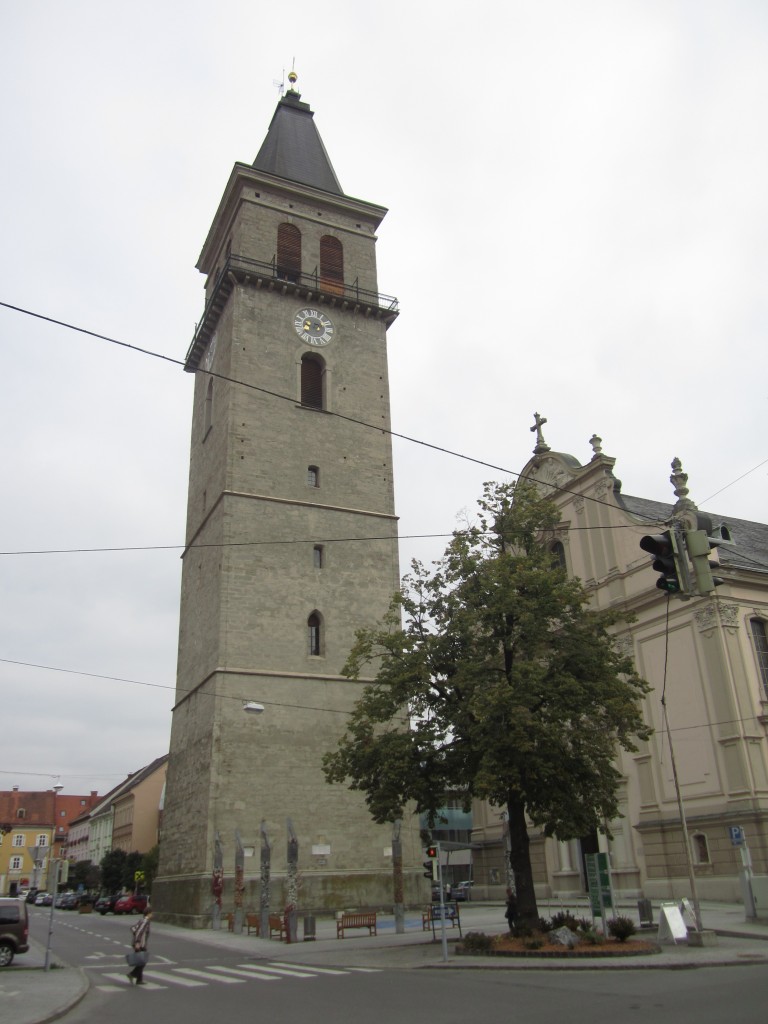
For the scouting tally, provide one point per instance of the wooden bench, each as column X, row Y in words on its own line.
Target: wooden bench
column 355, row 921
column 253, row 921
column 277, row 925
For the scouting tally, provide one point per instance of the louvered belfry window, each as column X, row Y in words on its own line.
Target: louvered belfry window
column 331, row 265
column 288, row 252
column 311, row 382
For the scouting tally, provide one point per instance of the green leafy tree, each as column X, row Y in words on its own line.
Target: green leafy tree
column 85, row 874
column 113, row 870
column 149, row 864
column 494, row 677
column 133, row 863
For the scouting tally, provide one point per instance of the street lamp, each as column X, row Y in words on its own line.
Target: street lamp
column 54, row 866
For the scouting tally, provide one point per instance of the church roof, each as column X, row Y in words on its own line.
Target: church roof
column 749, row 541
column 293, row 148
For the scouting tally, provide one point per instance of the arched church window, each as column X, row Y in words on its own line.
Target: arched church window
column 288, row 252
column 558, row 555
column 314, row 634
column 760, row 640
column 312, row 373
column 700, row 848
column 331, row 265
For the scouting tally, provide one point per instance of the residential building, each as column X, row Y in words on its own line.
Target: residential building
column 32, row 822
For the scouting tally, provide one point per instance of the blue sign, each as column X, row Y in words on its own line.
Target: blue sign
column 736, row 833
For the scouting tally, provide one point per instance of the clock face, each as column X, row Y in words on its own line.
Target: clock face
column 313, row 327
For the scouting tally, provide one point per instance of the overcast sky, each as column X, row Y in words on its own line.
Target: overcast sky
column 578, row 226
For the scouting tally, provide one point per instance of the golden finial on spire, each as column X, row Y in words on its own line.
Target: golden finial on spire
column 292, row 76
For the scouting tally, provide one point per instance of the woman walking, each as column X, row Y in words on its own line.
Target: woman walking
column 140, row 939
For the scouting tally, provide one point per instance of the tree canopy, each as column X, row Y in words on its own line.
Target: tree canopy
column 494, row 677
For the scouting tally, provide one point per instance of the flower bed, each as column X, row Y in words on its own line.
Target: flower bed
column 507, row 945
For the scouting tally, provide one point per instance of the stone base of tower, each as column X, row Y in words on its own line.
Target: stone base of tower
column 187, row 900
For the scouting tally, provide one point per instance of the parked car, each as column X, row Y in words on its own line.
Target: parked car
column 31, row 896
column 44, row 899
column 106, row 904
column 463, row 892
column 14, row 929
column 132, row 904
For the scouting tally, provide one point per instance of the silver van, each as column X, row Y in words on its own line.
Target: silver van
column 14, row 929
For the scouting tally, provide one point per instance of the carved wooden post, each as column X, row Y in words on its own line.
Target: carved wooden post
column 217, row 882
column 264, row 894
column 239, row 882
column 292, row 905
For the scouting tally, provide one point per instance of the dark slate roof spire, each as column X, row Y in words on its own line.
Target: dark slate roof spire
column 293, row 148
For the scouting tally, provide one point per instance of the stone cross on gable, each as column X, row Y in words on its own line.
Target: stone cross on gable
column 541, row 445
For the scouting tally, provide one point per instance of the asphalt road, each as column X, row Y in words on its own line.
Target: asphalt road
column 194, row 982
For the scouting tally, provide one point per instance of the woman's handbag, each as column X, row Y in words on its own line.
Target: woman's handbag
column 137, row 958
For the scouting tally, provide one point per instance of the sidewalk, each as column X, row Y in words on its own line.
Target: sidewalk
column 31, row 995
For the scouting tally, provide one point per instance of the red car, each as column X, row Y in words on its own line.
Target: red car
column 132, row 904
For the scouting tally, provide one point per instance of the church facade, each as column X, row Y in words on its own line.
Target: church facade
column 291, row 542
column 706, row 657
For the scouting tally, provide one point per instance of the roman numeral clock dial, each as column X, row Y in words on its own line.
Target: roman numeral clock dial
column 313, row 327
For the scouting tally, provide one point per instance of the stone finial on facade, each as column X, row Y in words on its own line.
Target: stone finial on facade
column 597, row 446
column 679, row 480
column 541, row 445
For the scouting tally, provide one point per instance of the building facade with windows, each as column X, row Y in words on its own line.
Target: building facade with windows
column 706, row 656
column 34, row 820
column 291, row 537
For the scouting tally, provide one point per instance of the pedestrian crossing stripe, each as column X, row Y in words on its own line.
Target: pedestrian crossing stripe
column 191, row 977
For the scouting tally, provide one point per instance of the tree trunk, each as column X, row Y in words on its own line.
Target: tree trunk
column 520, row 860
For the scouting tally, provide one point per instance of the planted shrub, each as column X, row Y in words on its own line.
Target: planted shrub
column 621, row 928
column 564, row 919
column 592, row 937
column 533, row 942
column 478, row 942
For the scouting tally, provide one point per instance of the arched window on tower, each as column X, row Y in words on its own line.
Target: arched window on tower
column 312, row 373
column 288, row 252
column 314, row 635
column 331, row 265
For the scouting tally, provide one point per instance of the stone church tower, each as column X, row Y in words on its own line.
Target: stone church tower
column 291, row 542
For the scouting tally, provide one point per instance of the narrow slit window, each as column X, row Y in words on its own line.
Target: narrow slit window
column 313, row 476
column 317, row 556
column 313, row 634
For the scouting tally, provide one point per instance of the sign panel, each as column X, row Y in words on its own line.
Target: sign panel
column 671, row 924
column 736, row 832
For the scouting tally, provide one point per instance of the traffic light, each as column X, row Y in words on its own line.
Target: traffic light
column 430, row 866
column 663, row 547
column 699, row 544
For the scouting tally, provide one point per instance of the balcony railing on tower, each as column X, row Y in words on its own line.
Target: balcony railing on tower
column 312, row 287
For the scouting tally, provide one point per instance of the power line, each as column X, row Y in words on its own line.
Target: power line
column 292, row 399
column 269, row 543
column 281, row 704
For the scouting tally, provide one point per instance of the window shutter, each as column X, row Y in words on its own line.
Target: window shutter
column 288, row 252
column 311, row 383
column 331, row 265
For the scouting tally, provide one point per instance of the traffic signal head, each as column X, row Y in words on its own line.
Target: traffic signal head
column 699, row 546
column 431, row 851
column 429, row 869
column 662, row 547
